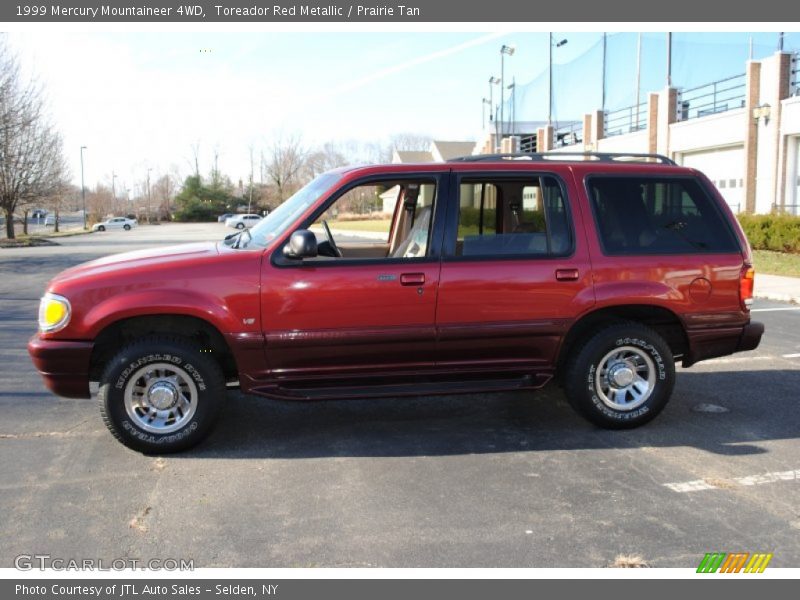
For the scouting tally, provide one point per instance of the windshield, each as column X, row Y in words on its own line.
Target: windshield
column 279, row 220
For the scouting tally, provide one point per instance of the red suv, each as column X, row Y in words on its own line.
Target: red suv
column 486, row 273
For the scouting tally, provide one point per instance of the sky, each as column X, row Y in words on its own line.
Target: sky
column 142, row 100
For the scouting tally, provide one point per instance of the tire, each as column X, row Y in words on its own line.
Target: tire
column 126, row 227
column 101, row 228
column 240, row 226
column 621, row 377
column 188, row 385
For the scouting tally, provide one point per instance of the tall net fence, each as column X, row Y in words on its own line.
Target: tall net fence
column 698, row 60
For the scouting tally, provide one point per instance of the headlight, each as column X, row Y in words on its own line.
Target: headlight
column 54, row 313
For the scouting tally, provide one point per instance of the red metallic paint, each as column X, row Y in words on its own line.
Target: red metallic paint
column 424, row 319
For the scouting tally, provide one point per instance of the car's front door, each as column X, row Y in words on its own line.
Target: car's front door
column 515, row 272
column 369, row 312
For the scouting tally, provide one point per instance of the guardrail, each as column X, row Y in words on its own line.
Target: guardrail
column 569, row 135
column 712, row 98
column 786, row 209
column 625, row 120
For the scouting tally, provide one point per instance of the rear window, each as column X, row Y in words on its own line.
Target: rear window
column 646, row 215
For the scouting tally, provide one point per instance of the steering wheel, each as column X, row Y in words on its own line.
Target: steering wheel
column 331, row 242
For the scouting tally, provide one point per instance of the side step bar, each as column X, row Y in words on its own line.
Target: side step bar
column 331, row 392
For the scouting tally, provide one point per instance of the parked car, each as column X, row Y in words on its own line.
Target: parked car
column 38, row 213
column 115, row 223
column 225, row 217
column 242, row 221
column 598, row 272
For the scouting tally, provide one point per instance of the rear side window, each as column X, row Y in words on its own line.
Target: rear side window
column 509, row 217
column 645, row 215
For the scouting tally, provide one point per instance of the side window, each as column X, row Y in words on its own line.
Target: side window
column 378, row 220
column 526, row 217
column 637, row 215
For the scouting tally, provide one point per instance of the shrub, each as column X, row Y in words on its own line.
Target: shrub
column 779, row 233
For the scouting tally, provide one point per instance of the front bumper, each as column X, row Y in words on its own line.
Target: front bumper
column 712, row 343
column 64, row 365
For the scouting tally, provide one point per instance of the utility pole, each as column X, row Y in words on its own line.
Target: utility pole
column 503, row 51
column 605, row 41
column 113, row 193
column 83, row 189
column 148, row 195
column 669, row 59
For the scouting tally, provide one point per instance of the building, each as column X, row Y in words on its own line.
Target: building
column 743, row 132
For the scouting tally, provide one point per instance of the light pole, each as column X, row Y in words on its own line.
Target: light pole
column 550, row 46
column 504, row 50
column 148, row 195
column 83, row 189
column 484, row 102
column 513, row 87
column 113, row 192
column 492, row 82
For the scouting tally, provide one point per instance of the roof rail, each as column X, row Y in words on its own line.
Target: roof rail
column 570, row 156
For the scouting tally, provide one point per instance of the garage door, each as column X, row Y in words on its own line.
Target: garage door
column 725, row 167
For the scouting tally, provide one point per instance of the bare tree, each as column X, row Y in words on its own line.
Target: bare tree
column 163, row 191
column 32, row 165
column 409, row 141
column 325, row 158
column 99, row 204
column 285, row 166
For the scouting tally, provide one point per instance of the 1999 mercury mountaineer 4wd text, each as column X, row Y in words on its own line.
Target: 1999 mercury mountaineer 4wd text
column 496, row 272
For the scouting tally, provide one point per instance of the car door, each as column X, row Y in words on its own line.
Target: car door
column 356, row 315
column 515, row 271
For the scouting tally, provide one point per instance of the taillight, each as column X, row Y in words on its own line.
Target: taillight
column 746, row 286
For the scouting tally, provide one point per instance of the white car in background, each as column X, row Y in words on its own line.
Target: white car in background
column 115, row 223
column 242, row 221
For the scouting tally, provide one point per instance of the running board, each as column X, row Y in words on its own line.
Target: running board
column 407, row 389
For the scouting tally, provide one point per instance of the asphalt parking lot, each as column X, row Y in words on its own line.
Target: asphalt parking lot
column 490, row 480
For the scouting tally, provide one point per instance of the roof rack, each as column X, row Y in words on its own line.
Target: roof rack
column 567, row 156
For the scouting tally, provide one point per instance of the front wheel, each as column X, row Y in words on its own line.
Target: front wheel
column 101, row 228
column 240, row 226
column 622, row 376
column 160, row 395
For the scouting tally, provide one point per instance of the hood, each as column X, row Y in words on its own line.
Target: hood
column 150, row 257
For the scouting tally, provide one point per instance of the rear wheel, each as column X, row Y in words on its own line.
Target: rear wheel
column 622, row 376
column 240, row 226
column 160, row 394
column 126, row 227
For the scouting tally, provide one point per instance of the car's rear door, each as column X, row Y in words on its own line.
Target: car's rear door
column 515, row 270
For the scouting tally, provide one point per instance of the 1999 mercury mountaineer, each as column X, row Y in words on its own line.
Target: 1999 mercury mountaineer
column 496, row 272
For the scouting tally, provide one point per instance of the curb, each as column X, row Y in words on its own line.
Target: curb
column 778, row 297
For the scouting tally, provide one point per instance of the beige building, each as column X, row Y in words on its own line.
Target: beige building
column 743, row 132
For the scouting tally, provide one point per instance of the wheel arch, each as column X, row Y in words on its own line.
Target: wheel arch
column 664, row 321
column 118, row 333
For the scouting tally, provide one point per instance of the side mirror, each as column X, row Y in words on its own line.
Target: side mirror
column 302, row 244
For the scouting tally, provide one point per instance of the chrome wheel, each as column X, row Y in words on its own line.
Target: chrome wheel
column 625, row 378
column 161, row 398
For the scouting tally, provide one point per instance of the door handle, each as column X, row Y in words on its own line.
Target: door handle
column 412, row 279
column 567, row 274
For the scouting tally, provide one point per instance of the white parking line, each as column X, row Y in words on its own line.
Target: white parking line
column 795, row 355
column 774, row 309
column 739, row 359
column 698, row 485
